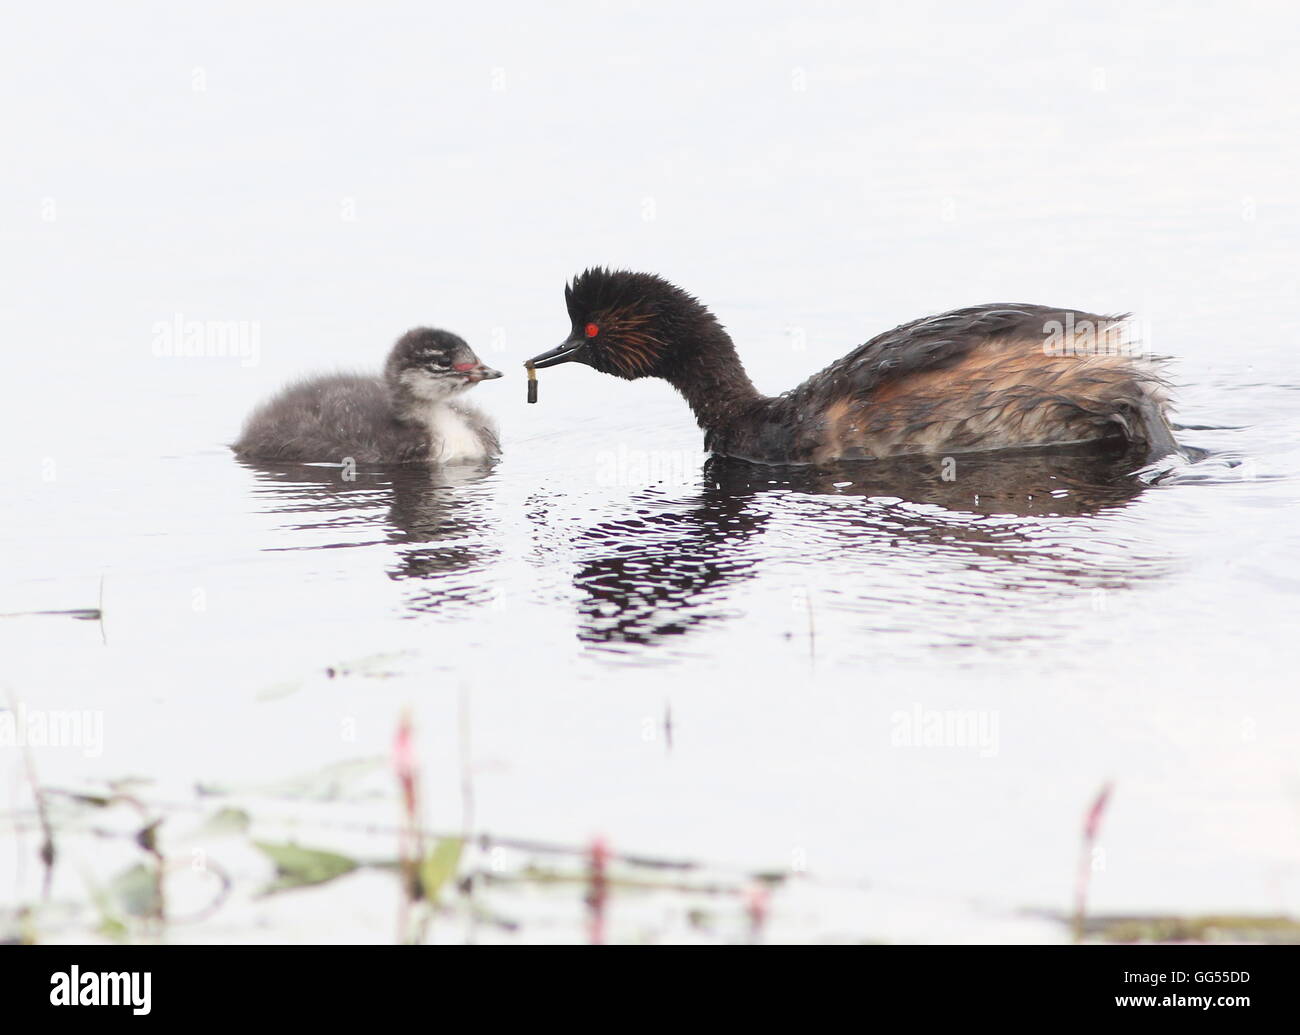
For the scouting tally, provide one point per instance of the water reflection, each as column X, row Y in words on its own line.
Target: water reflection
column 1000, row 531
column 931, row 550
column 433, row 516
column 662, row 572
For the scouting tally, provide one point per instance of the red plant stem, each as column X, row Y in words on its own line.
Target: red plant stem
column 756, row 903
column 409, row 840
column 597, row 890
column 1091, row 827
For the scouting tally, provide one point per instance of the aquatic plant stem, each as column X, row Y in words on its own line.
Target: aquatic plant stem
column 1091, row 825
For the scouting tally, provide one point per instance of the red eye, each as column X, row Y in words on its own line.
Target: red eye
column 592, row 330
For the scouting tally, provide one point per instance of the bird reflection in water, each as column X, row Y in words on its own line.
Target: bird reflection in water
column 929, row 546
column 436, row 517
column 879, row 532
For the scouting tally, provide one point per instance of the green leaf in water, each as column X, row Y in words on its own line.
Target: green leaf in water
column 111, row 924
column 223, row 823
column 135, row 890
column 331, row 783
column 98, row 801
column 440, row 866
column 298, row 867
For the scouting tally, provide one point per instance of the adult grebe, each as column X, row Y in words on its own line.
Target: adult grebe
column 988, row 377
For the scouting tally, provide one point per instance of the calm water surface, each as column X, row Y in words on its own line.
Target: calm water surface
column 612, row 633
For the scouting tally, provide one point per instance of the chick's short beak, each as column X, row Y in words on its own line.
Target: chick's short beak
column 479, row 372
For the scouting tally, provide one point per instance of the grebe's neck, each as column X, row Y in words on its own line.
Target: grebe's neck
column 711, row 378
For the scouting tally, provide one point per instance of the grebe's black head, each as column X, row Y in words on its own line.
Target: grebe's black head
column 427, row 364
column 630, row 325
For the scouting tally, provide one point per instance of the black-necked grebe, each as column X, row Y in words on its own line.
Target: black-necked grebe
column 988, row 377
column 407, row 416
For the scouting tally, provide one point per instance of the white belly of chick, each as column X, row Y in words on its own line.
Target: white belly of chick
column 452, row 438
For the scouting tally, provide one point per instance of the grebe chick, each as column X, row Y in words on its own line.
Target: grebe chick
column 987, row 377
column 408, row 415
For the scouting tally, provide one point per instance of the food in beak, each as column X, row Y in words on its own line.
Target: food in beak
column 532, row 383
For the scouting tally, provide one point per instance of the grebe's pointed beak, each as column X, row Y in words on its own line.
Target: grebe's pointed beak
column 565, row 352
